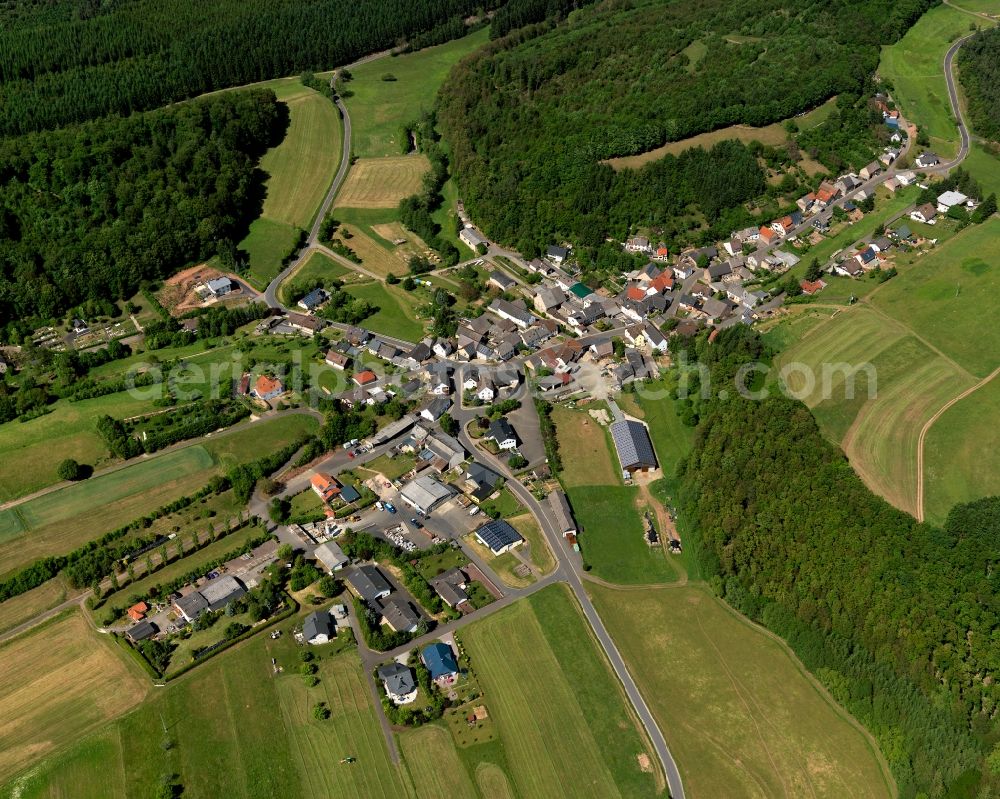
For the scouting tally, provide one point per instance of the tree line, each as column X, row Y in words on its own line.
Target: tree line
column 979, row 71
column 897, row 619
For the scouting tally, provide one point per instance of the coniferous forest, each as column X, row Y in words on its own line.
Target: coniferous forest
column 898, row 619
column 530, row 117
column 91, row 211
column 66, row 61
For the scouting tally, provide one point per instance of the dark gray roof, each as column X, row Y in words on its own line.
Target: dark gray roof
column 398, row 679
column 192, row 605
column 497, row 534
column 635, row 450
column 556, row 252
column 500, row 430
column 318, row 623
column 221, row 591
column 142, row 631
column 482, row 476
column 562, row 512
column 369, row 583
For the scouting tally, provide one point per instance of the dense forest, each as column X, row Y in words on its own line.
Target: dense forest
column 530, row 117
column 979, row 71
column 897, row 619
column 66, row 61
column 93, row 210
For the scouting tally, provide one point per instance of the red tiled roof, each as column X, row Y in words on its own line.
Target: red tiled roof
column 812, row 286
column 365, row 377
column 635, row 293
column 265, row 385
column 663, row 283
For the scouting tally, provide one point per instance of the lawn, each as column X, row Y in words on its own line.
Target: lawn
column 259, row 439
column 877, row 424
column 319, row 266
column 268, row 242
column 541, row 556
column 307, row 505
column 502, row 565
column 383, row 182
column 984, row 167
column 302, row 166
column 28, row 605
column 61, row 681
column 962, row 453
column 396, row 316
column 379, row 108
column 915, row 66
column 583, row 448
column 611, row 536
column 568, row 728
column 948, row 296
column 739, row 712
column 391, row 468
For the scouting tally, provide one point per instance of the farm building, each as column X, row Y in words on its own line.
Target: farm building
column 562, row 513
column 331, row 556
column 499, row 536
column 318, row 628
column 221, row 591
column 472, row 237
column 635, row 450
column 400, row 616
column 439, row 660
column 399, row 683
column 424, row 494
column 369, row 584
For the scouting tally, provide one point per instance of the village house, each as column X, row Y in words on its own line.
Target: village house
column 331, row 556
column 318, row 628
column 336, row 360
column 501, row 432
column 368, row 584
column 549, row 298
column 926, row 160
column 869, row 171
column 638, row 244
column 399, row 682
column 313, row 300
column 440, row 661
column 267, row 388
column 218, row 286
column 327, row 488
column 514, row 312
column 501, row 281
column 810, row 287
column 451, row 587
column 399, row 616
column 924, row 213
column 365, row 377
column 557, row 255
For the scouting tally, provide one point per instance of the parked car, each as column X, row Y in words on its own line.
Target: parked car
column 389, row 507
column 416, row 523
column 350, row 454
column 379, row 505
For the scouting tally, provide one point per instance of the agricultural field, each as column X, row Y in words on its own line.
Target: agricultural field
column 568, row 731
column 20, row 609
column 397, row 310
column 267, row 244
column 740, row 713
column 382, row 182
column 948, row 295
column 60, row 521
column 611, row 537
column 302, row 166
column 61, row 681
column 433, row 764
column 772, row 135
column 984, row 166
column 915, row 65
column 962, row 453
column 878, row 423
column 388, row 93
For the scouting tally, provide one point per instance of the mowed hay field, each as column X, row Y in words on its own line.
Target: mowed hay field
column 740, row 714
column 915, row 66
column 561, row 714
column 611, row 536
column 379, row 108
column 397, row 311
column 238, row 730
column 20, row 609
column 871, row 386
column 433, row 764
column 962, row 453
column 302, row 166
column 949, row 298
column 61, row 681
column 382, row 182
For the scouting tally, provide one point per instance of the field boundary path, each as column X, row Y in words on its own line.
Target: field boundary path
column 926, row 429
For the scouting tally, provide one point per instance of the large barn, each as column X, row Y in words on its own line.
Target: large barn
column 635, row 450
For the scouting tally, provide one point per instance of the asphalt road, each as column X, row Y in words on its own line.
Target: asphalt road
column 956, row 108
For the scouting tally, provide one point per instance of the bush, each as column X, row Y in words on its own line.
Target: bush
column 69, row 469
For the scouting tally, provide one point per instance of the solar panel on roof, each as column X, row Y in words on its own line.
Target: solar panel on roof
column 498, row 534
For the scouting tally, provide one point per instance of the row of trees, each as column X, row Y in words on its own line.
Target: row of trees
column 141, row 55
column 528, row 126
column 979, row 71
column 91, row 212
column 896, row 618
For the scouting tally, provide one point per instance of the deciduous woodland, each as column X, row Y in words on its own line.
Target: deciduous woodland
column 63, row 61
column 979, row 70
column 897, row 619
column 93, row 210
column 530, row 117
